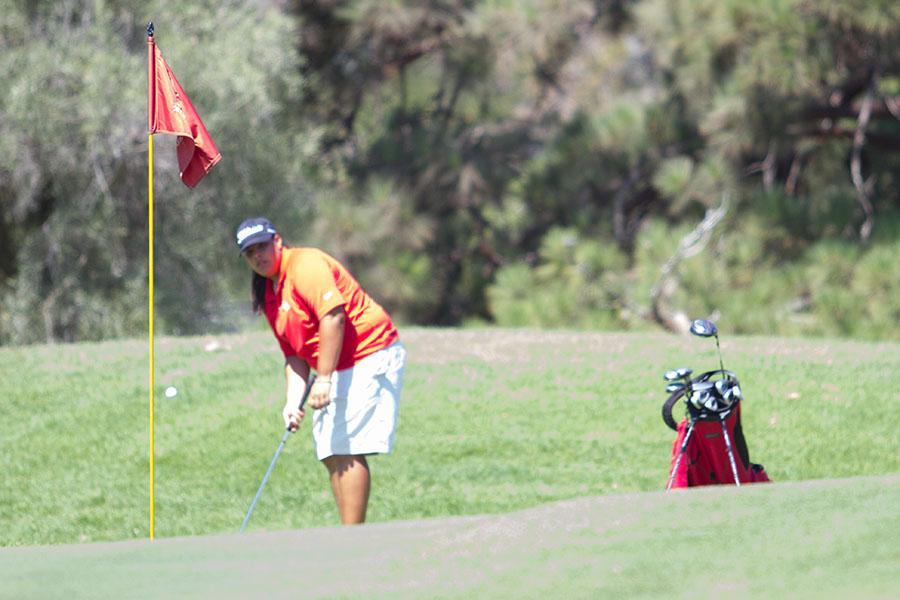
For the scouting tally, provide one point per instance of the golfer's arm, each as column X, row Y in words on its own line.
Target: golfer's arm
column 331, row 340
column 296, row 374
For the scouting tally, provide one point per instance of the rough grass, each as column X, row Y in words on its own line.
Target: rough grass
column 492, row 421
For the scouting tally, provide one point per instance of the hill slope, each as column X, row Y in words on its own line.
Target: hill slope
column 491, row 421
column 814, row 539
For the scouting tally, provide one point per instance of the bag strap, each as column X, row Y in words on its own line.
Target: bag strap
column 667, row 407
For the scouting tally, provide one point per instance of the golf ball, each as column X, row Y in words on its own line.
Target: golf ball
column 171, row 391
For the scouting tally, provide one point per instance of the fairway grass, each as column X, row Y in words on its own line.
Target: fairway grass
column 815, row 539
column 491, row 421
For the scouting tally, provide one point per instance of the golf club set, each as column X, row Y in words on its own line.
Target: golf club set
column 711, row 398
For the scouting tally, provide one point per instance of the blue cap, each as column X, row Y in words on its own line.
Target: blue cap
column 254, row 231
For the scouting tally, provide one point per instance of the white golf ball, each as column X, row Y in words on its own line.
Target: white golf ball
column 171, row 391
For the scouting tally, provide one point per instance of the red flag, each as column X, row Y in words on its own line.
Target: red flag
column 171, row 111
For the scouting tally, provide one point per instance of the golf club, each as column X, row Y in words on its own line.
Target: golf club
column 284, row 438
column 674, row 387
column 679, row 373
column 705, row 328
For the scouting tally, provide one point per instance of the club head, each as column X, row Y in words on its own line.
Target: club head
column 698, row 398
column 674, row 387
column 703, row 386
column 703, row 328
column 671, row 375
column 684, row 372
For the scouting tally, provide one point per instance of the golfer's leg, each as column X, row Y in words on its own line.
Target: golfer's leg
column 350, row 484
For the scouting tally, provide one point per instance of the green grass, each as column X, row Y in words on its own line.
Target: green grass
column 821, row 539
column 492, row 421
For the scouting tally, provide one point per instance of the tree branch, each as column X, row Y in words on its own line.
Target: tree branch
column 690, row 245
column 859, row 141
column 620, row 200
column 883, row 108
column 893, row 105
column 790, row 184
column 768, row 167
column 830, row 130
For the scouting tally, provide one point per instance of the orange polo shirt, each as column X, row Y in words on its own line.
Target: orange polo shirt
column 311, row 284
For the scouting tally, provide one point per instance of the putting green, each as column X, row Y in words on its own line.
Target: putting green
column 813, row 539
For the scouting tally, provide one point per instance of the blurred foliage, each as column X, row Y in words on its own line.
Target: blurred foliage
column 73, row 163
column 524, row 163
column 577, row 284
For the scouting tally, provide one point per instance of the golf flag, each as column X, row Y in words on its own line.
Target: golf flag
column 171, row 111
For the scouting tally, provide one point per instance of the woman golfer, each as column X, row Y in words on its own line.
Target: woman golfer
column 324, row 320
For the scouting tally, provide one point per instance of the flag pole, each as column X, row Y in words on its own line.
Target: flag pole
column 150, row 305
column 150, row 112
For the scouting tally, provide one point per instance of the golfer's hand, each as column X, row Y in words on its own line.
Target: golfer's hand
column 293, row 416
column 320, row 394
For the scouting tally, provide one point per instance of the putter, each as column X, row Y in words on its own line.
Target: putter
column 287, row 433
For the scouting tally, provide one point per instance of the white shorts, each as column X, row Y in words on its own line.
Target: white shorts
column 365, row 402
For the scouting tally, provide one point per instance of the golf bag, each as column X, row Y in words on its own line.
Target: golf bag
column 710, row 447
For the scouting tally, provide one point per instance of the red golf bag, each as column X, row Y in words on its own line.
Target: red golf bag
column 710, row 447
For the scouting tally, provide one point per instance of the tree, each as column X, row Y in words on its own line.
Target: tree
column 459, row 154
column 449, row 101
column 73, row 164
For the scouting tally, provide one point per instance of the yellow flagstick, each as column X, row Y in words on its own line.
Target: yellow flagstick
column 150, row 305
column 151, row 128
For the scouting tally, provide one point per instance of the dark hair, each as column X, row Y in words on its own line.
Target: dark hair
column 258, row 289
column 258, row 292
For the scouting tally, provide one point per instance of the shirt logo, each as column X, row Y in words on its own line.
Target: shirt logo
column 285, row 305
column 327, row 296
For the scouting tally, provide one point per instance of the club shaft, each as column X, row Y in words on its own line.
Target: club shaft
column 284, row 438
column 265, row 479
column 719, row 350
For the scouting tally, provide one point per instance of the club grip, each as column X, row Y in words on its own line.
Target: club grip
column 309, row 384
